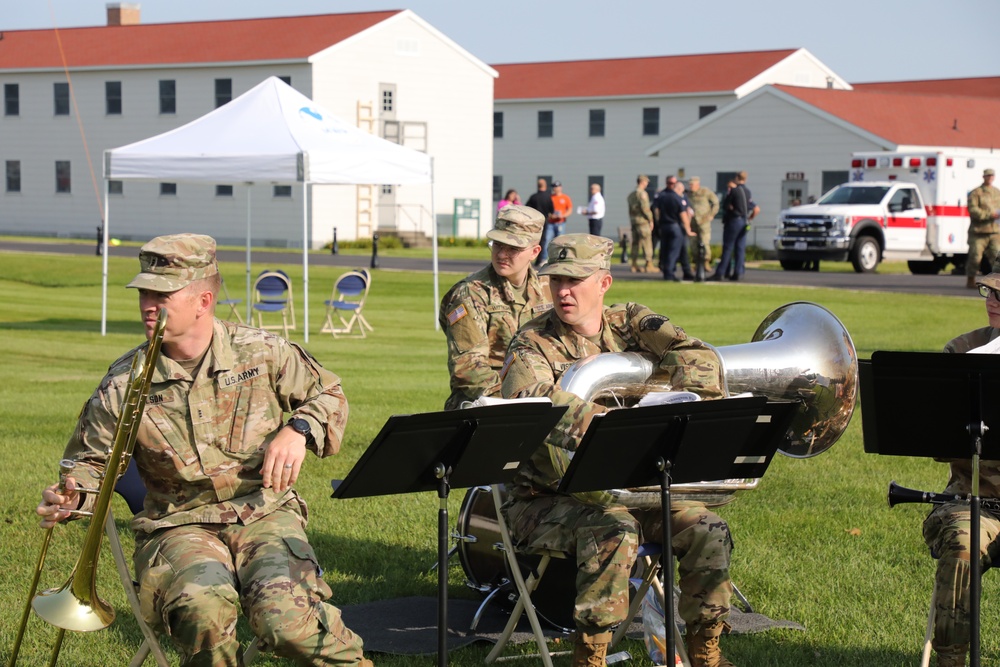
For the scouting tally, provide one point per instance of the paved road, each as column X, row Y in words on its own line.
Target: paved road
column 945, row 285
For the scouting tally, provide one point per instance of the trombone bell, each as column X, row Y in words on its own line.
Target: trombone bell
column 67, row 609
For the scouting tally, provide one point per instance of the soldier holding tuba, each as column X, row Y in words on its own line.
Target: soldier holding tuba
column 222, row 525
column 605, row 536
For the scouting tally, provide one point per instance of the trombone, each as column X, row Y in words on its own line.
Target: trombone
column 76, row 605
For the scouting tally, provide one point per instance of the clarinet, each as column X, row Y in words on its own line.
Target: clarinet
column 900, row 494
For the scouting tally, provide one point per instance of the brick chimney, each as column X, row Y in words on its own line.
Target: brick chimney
column 123, row 13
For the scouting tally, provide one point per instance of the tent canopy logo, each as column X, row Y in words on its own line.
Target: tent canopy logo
column 309, row 112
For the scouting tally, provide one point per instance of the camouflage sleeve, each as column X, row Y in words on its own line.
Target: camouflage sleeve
column 978, row 210
column 713, row 200
column 313, row 393
column 92, row 438
column 647, row 212
column 687, row 362
column 463, row 320
column 527, row 373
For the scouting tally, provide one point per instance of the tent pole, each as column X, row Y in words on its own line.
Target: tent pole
column 434, row 241
column 305, row 260
column 104, row 263
column 249, row 191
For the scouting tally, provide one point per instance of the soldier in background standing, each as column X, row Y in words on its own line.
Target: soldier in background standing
column 641, row 217
column 604, row 535
column 481, row 313
column 706, row 206
column 984, row 230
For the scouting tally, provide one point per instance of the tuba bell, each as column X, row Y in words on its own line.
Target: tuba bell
column 800, row 352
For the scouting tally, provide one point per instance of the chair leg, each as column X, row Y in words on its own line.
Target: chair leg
column 925, row 658
column 652, row 569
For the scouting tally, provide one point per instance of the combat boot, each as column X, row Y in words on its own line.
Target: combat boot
column 649, row 268
column 635, row 268
column 951, row 656
column 970, row 282
column 703, row 646
column 590, row 650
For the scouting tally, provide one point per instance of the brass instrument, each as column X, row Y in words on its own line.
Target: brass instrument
column 799, row 352
column 900, row 494
column 76, row 605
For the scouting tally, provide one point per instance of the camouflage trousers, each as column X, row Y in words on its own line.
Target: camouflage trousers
column 605, row 541
column 642, row 237
column 193, row 578
column 704, row 233
column 947, row 531
column 978, row 245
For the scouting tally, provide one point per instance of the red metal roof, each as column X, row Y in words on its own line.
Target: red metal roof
column 661, row 75
column 908, row 118
column 987, row 86
column 283, row 38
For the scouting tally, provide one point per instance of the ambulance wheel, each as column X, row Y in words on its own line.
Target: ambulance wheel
column 865, row 254
column 918, row 268
column 792, row 264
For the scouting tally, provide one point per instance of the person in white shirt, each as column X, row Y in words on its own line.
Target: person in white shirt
column 595, row 209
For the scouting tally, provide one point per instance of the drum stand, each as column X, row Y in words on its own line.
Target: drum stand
column 666, row 444
column 436, row 450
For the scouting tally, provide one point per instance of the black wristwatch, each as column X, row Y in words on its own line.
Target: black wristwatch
column 301, row 426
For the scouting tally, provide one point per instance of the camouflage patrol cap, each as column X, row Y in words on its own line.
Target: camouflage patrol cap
column 578, row 256
column 988, row 172
column 519, row 226
column 169, row 263
column 991, row 279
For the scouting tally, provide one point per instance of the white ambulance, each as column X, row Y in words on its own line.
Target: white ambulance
column 910, row 205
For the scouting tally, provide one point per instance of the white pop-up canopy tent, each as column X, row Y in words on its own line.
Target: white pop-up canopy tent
column 272, row 134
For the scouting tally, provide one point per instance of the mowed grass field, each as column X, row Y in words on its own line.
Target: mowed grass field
column 816, row 543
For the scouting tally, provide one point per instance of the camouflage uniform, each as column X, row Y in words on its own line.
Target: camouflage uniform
column 706, row 205
column 642, row 226
column 210, row 536
column 481, row 313
column 947, row 533
column 984, row 231
column 605, row 537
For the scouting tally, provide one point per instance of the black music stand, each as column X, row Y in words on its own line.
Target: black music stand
column 438, row 450
column 664, row 444
column 962, row 392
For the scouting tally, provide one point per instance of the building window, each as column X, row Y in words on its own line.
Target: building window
column 116, row 188
column 832, row 179
column 61, row 97
column 650, row 121
column 594, row 179
column 497, row 187
column 545, row 122
column 388, row 98
column 722, row 181
column 223, row 191
column 168, row 96
column 168, row 189
column 498, row 124
column 286, row 79
column 223, row 91
column 11, row 99
column 547, row 179
column 63, row 180
column 282, row 191
column 597, row 122
column 13, row 175
column 705, row 110
column 113, row 98
column 386, row 190
column 653, row 185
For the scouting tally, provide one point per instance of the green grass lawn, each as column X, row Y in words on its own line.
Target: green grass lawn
column 815, row 543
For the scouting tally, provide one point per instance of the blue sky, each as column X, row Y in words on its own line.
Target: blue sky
column 861, row 40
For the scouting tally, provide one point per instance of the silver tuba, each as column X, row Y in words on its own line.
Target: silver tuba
column 800, row 352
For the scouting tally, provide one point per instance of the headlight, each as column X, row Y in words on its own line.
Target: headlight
column 837, row 224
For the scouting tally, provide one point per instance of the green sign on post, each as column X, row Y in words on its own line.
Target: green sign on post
column 464, row 209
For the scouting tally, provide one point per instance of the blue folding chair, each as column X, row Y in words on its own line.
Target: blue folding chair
column 349, row 295
column 273, row 294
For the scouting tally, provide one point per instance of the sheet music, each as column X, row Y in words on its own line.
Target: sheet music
column 667, row 398
column 993, row 347
column 484, row 401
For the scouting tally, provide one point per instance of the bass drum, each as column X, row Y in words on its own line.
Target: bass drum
column 486, row 568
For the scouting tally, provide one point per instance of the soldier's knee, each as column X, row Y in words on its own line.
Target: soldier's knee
column 203, row 611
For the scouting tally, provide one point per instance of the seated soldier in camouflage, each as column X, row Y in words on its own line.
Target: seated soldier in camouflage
column 947, row 529
column 222, row 526
column 482, row 311
column 605, row 536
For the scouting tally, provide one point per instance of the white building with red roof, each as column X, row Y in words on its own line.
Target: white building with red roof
column 71, row 93
column 594, row 120
column 796, row 142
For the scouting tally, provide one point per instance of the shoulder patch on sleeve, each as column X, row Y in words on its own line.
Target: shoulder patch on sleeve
column 506, row 365
column 457, row 314
column 652, row 323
